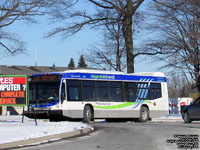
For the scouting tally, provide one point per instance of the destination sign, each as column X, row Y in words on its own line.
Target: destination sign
column 45, row 78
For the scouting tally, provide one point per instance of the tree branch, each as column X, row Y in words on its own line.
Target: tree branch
column 104, row 6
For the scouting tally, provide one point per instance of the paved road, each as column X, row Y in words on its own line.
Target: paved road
column 126, row 136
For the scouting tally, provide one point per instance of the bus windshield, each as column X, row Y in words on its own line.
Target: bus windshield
column 45, row 92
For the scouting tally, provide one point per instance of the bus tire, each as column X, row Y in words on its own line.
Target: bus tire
column 186, row 117
column 87, row 114
column 144, row 114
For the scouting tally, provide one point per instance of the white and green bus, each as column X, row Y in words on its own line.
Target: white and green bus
column 96, row 94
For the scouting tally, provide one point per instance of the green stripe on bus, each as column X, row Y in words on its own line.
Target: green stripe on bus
column 146, row 101
column 120, row 105
column 116, row 106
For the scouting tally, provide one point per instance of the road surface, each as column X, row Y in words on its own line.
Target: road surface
column 129, row 136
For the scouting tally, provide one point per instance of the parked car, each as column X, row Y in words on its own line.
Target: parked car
column 191, row 112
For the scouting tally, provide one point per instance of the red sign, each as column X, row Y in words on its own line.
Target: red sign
column 12, row 80
column 13, row 90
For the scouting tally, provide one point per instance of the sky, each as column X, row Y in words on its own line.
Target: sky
column 48, row 51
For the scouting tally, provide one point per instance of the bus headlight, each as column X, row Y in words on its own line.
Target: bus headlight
column 57, row 105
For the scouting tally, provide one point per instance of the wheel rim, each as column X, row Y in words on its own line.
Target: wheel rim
column 88, row 114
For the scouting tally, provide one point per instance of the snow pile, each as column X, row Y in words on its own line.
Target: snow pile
column 12, row 129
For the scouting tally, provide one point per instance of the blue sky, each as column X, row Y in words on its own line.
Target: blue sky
column 47, row 51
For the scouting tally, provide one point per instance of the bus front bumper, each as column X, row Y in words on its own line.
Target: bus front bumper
column 42, row 114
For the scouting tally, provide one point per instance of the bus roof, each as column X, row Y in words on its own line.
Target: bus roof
column 93, row 71
column 92, row 74
column 157, row 74
column 113, row 75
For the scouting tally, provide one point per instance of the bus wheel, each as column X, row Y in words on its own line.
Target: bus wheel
column 144, row 114
column 87, row 114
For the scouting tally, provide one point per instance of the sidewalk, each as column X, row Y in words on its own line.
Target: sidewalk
column 169, row 118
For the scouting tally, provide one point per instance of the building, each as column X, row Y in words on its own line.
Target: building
column 28, row 70
column 24, row 70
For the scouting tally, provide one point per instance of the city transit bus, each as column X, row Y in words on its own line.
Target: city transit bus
column 96, row 94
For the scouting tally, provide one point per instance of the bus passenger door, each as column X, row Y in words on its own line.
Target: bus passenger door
column 63, row 92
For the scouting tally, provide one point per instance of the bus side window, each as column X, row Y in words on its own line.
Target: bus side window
column 130, row 91
column 155, row 91
column 73, row 90
column 102, row 91
column 142, row 91
column 116, row 91
column 88, row 90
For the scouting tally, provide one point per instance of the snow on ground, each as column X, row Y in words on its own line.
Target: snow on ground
column 12, row 129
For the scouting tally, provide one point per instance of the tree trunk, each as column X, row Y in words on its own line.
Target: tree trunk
column 127, row 32
column 129, row 51
column 118, row 55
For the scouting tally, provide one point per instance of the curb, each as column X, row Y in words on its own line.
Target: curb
column 44, row 139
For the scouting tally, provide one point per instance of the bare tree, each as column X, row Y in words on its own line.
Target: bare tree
column 177, row 23
column 178, row 87
column 110, row 54
column 12, row 11
column 174, row 86
column 105, row 12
